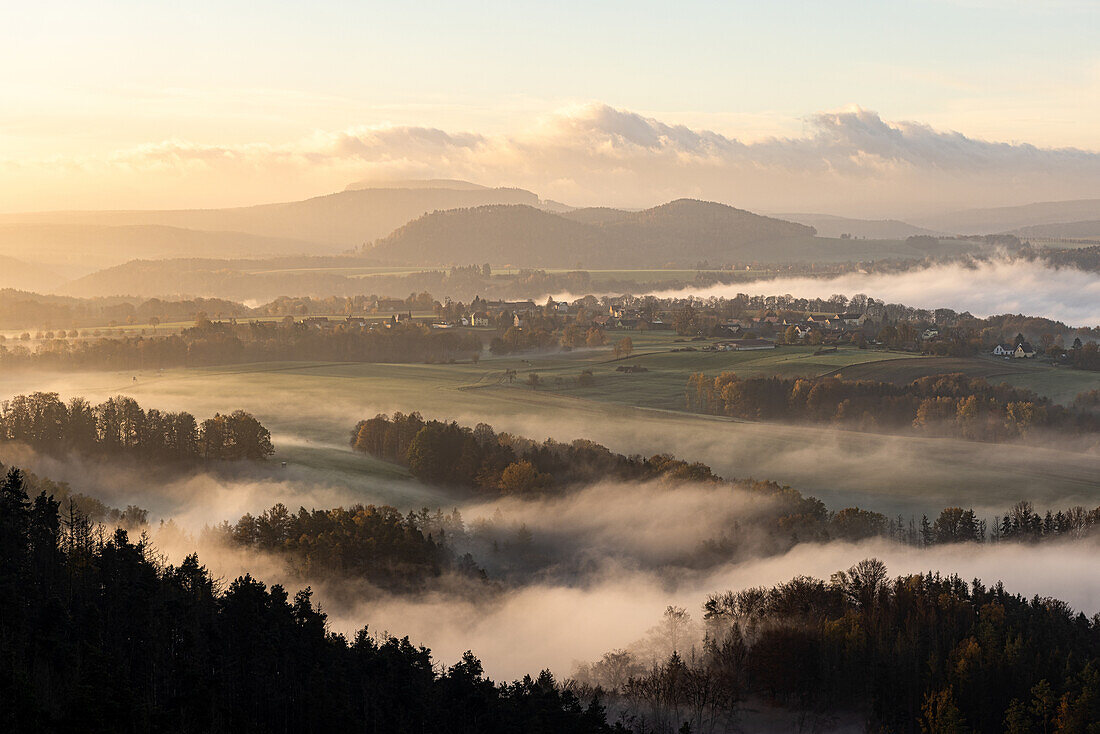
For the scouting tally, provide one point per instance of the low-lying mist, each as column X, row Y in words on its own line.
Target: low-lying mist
column 619, row 554
column 984, row 288
column 555, row 624
column 312, row 420
column 618, row 557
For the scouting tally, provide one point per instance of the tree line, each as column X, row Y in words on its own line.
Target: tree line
column 951, row 404
column 485, row 463
column 1023, row 523
column 25, row 310
column 212, row 343
column 119, row 426
column 482, row 460
column 919, row 653
column 92, row 508
column 426, row 550
column 389, row 550
column 98, row 635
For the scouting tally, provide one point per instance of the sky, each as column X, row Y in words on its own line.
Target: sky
column 136, row 104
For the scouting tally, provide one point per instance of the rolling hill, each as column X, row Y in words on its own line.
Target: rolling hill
column 26, row 276
column 206, row 278
column 1089, row 230
column 79, row 248
column 335, row 221
column 828, row 225
column 684, row 231
column 1012, row 218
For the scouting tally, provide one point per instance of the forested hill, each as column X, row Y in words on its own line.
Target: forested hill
column 16, row 273
column 99, row 635
column 683, row 231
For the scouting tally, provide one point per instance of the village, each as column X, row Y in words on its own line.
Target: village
column 742, row 324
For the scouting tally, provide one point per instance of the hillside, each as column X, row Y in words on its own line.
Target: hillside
column 207, row 278
column 1011, row 218
column 18, row 274
column 520, row 235
column 338, row 221
column 684, row 231
column 828, row 225
column 25, row 310
column 78, row 248
column 1064, row 230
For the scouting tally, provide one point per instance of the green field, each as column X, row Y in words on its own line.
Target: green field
column 311, row 408
column 1060, row 384
column 664, row 384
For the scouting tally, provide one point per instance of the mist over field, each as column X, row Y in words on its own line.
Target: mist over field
column 317, row 408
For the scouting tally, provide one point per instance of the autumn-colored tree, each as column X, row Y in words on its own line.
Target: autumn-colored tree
column 595, row 337
column 521, row 477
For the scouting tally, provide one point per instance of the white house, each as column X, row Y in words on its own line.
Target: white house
column 1003, row 350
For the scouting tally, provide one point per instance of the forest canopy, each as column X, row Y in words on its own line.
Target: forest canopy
column 120, row 427
column 98, row 635
column 919, row 653
column 952, row 404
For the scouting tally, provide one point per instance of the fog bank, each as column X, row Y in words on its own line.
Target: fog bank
column 615, row 555
column 1002, row 286
column 555, row 625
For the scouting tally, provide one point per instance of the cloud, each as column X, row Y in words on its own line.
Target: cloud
column 849, row 161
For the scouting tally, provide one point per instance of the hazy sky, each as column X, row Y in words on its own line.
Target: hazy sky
column 135, row 104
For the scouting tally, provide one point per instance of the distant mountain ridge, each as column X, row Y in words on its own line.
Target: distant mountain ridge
column 996, row 220
column 828, row 225
column 337, row 221
column 451, row 184
column 86, row 247
column 26, row 276
column 685, row 230
column 1062, row 230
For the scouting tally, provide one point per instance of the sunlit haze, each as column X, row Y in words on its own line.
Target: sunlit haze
column 550, row 367
column 846, row 107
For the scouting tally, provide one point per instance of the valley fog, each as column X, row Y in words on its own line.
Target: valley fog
column 312, row 420
column 619, row 554
column 984, row 288
column 558, row 622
